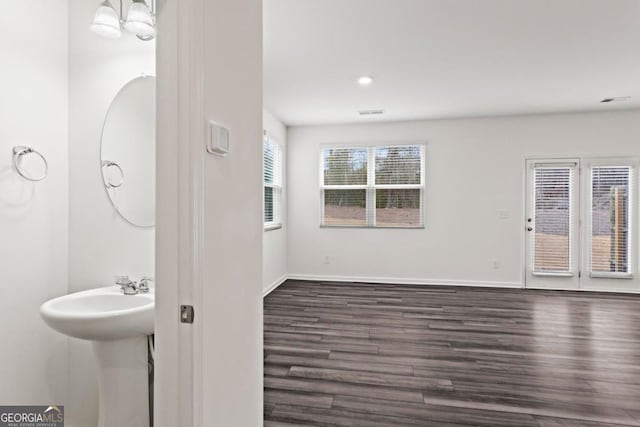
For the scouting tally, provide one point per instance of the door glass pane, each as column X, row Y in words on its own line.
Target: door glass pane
column 345, row 207
column 552, row 219
column 610, row 219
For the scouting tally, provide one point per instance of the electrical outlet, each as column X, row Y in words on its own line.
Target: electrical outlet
column 327, row 260
column 495, row 264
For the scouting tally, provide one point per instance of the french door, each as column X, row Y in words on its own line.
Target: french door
column 581, row 225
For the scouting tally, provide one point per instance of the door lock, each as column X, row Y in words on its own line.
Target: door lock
column 186, row 314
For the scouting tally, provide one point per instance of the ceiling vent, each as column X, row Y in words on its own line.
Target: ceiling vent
column 370, row 112
column 618, row 99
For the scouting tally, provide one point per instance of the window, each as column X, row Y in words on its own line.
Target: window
column 272, row 173
column 610, row 221
column 378, row 186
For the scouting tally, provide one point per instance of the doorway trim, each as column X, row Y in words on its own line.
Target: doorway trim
column 179, row 248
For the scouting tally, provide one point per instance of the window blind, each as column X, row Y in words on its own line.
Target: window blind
column 610, row 220
column 272, row 177
column 379, row 186
column 553, row 219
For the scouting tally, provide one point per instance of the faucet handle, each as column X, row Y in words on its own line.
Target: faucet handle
column 144, row 284
column 122, row 280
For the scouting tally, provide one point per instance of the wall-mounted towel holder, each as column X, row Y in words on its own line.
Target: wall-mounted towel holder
column 18, row 153
column 110, row 164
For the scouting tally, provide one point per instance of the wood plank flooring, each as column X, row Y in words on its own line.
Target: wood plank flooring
column 366, row 355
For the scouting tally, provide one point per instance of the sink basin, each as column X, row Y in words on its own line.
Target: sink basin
column 101, row 314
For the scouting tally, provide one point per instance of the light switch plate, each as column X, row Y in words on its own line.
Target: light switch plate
column 218, row 143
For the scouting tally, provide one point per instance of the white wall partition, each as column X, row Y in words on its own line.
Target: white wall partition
column 210, row 228
column 474, row 196
column 33, row 216
column 275, row 241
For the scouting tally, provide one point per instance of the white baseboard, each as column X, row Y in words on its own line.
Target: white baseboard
column 405, row 281
column 427, row 282
column 611, row 290
column 272, row 287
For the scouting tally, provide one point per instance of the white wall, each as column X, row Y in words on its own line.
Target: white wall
column 231, row 303
column 274, row 243
column 33, row 216
column 209, row 251
column 474, row 168
column 101, row 244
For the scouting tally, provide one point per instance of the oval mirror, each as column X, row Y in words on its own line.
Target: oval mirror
column 128, row 152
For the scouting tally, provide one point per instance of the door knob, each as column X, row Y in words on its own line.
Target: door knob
column 529, row 228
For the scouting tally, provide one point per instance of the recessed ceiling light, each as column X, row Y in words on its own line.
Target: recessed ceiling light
column 365, row 80
column 618, row 99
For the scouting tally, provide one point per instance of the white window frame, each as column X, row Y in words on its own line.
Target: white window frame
column 276, row 186
column 371, row 186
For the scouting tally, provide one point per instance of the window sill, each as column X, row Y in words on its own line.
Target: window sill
column 269, row 227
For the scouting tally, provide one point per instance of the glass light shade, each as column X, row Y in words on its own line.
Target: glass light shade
column 106, row 21
column 139, row 20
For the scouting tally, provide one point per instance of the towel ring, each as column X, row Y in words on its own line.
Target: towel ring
column 108, row 164
column 20, row 151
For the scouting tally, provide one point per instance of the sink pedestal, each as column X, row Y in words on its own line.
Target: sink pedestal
column 123, row 382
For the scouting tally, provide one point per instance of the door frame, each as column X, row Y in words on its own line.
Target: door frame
column 178, row 104
column 583, row 218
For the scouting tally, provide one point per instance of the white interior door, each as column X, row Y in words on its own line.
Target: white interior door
column 552, row 224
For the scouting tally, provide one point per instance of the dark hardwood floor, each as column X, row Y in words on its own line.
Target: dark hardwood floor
column 363, row 355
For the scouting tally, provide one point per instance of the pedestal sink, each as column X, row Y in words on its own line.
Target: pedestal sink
column 118, row 325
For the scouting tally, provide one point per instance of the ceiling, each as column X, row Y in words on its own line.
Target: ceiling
column 448, row 58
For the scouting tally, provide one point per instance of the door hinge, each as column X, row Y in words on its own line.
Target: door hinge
column 186, row 314
column 579, row 274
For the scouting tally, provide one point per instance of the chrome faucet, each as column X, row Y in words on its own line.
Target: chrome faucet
column 128, row 287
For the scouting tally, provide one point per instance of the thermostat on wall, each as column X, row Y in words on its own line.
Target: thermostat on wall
column 218, row 139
